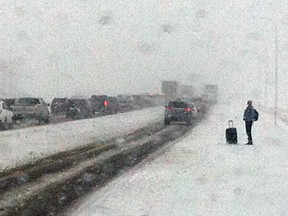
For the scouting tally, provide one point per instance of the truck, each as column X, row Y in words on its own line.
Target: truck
column 211, row 93
column 30, row 107
column 6, row 116
column 170, row 90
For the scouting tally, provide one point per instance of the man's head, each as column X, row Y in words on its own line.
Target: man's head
column 249, row 103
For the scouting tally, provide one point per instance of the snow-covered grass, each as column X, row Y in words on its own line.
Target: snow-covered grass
column 25, row 145
column 201, row 175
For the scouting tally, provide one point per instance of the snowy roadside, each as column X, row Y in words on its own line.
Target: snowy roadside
column 23, row 145
column 201, row 175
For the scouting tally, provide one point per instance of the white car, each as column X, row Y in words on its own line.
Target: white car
column 6, row 116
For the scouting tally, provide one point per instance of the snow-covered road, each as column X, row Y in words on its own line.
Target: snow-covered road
column 201, row 175
column 24, row 145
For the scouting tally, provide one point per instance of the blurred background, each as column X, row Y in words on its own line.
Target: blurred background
column 84, row 47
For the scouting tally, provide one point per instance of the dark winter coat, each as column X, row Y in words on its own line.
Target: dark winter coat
column 249, row 114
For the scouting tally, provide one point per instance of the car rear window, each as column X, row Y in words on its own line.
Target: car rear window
column 178, row 104
column 29, row 101
column 188, row 100
column 59, row 100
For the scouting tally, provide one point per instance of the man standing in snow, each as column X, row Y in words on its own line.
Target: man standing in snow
column 250, row 115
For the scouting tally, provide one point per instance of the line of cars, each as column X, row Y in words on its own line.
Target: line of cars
column 101, row 105
column 14, row 109
column 183, row 109
column 97, row 105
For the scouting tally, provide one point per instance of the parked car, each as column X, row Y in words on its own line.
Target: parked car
column 59, row 106
column 79, row 109
column 178, row 111
column 31, row 107
column 6, row 116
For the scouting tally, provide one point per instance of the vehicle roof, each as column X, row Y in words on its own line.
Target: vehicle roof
column 28, row 99
column 179, row 103
column 64, row 98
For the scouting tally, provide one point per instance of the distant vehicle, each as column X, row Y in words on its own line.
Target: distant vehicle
column 59, row 105
column 79, row 109
column 191, row 103
column 126, row 103
column 100, row 104
column 113, row 105
column 141, row 101
column 6, row 116
column 31, row 107
column 178, row 111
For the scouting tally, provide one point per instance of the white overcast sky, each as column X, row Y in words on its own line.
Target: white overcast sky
column 62, row 48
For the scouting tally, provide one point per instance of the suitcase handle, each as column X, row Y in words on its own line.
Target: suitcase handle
column 230, row 123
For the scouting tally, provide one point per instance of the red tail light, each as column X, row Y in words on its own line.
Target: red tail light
column 106, row 103
column 188, row 109
column 169, row 108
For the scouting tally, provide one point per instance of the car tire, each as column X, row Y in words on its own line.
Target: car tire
column 6, row 125
column 10, row 126
column 167, row 121
column 46, row 120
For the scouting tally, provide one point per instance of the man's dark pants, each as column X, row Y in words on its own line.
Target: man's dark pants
column 248, row 130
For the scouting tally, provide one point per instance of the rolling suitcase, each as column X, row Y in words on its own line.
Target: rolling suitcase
column 231, row 133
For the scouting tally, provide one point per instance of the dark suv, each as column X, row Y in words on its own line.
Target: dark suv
column 178, row 111
column 104, row 105
column 79, row 109
column 59, row 105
